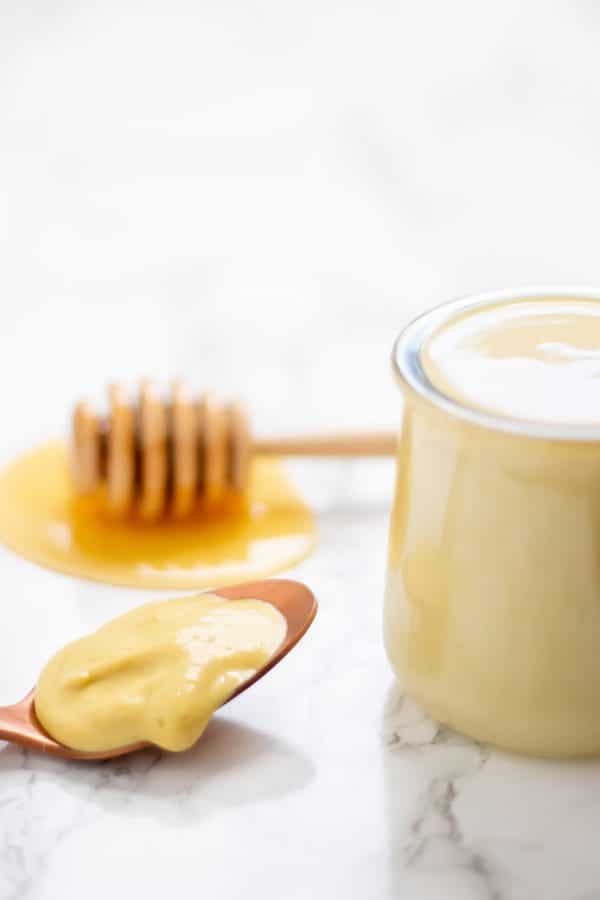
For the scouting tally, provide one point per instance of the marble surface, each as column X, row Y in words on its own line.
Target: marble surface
column 259, row 196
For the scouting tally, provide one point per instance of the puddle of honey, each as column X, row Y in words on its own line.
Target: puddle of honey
column 42, row 520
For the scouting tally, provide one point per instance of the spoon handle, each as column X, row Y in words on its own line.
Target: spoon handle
column 15, row 723
column 19, row 725
column 360, row 443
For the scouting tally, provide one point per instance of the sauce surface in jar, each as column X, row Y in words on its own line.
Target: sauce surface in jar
column 536, row 360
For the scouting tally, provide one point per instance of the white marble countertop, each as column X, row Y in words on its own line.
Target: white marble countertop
column 259, row 196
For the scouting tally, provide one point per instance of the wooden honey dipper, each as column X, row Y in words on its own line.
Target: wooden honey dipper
column 161, row 456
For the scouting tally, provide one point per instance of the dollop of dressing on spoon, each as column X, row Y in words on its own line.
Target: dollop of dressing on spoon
column 156, row 673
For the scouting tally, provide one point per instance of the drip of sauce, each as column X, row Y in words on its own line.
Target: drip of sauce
column 156, row 673
column 42, row 519
column 536, row 360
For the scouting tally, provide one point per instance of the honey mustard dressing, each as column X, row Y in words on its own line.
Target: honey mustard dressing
column 156, row 673
column 43, row 520
column 534, row 360
column 492, row 610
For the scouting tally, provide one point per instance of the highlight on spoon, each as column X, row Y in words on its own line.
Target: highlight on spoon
column 293, row 600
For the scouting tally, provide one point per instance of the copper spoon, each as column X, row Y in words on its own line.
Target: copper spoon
column 294, row 601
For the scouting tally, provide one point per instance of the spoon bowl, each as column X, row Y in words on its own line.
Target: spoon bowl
column 295, row 602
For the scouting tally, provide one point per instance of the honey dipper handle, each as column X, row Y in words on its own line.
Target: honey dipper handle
column 352, row 444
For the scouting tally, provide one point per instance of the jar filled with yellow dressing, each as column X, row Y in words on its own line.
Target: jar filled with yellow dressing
column 492, row 609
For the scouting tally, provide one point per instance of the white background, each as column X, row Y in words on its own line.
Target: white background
column 281, row 184
column 258, row 196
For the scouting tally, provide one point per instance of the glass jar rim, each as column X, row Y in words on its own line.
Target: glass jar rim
column 406, row 362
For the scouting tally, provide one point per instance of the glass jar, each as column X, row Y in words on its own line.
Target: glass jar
column 492, row 608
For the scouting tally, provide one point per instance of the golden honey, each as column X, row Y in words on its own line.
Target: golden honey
column 42, row 519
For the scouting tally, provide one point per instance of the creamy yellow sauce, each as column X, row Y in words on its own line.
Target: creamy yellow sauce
column 492, row 610
column 42, row 519
column 157, row 673
column 537, row 360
